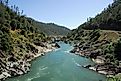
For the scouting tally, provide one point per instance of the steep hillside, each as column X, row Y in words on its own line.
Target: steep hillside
column 98, row 40
column 20, row 41
column 16, row 30
column 108, row 19
column 103, row 47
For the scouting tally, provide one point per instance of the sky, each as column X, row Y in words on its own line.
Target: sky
column 69, row 13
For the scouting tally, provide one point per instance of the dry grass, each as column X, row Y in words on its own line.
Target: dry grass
column 109, row 36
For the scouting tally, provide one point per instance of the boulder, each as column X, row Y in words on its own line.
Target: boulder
column 73, row 51
column 56, row 45
column 87, row 66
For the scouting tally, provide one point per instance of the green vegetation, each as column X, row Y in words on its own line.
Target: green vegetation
column 20, row 37
column 109, row 19
column 115, row 78
column 108, row 41
column 16, row 29
column 98, row 38
column 51, row 28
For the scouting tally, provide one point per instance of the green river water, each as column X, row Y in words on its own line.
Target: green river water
column 60, row 65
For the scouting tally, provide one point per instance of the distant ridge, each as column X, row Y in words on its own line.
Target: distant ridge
column 50, row 28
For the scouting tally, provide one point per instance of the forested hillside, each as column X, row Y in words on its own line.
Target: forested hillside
column 15, row 27
column 51, row 28
column 100, row 39
column 21, row 40
column 16, row 30
column 108, row 19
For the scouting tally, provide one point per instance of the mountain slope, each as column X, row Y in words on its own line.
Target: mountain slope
column 50, row 28
column 98, row 39
column 20, row 41
column 108, row 19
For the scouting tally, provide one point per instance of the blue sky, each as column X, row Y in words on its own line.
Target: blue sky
column 69, row 13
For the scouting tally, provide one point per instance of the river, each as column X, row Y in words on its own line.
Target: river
column 60, row 65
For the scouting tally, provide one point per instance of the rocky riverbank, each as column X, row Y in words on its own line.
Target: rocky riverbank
column 101, row 66
column 103, row 47
column 18, row 67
